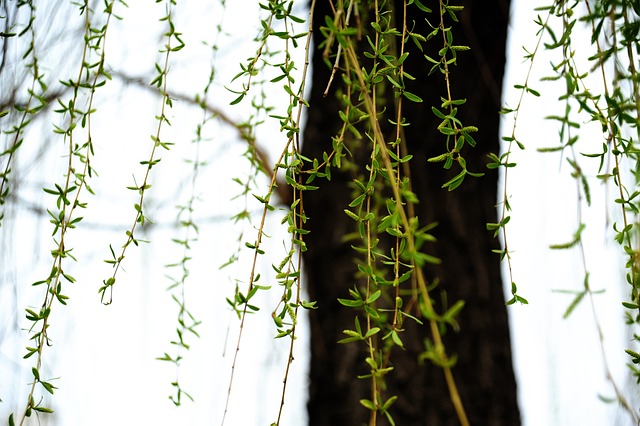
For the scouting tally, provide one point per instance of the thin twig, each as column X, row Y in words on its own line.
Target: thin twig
column 337, row 61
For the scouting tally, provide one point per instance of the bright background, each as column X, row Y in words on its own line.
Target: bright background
column 104, row 356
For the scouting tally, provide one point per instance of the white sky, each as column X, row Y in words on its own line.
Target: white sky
column 105, row 356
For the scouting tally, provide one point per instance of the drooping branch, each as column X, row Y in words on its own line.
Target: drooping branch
column 261, row 156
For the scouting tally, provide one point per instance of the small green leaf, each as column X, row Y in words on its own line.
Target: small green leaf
column 43, row 409
column 374, row 297
column 456, row 181
column 238, row 99
column 412, row 97
column 352, row 215
column 396, row 339
column 368, row 404
column 372, row 332
column 421, row 6
column 572, row 306
column 351, row 303
column 359, row 199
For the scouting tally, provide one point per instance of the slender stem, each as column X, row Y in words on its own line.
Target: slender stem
column 422, row 283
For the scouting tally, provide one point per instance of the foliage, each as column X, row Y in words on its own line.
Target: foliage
column 365, row 46
column 599, row 90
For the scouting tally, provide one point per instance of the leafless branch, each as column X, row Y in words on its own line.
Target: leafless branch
column 264, row 163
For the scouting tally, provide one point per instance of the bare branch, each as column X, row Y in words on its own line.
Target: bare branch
column 263, row 159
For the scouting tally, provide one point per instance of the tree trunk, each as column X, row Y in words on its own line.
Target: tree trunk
column 469, row 270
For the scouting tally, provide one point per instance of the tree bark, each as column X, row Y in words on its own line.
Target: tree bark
column 469, row 270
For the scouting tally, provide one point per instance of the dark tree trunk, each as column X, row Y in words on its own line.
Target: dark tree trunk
column 469, row 270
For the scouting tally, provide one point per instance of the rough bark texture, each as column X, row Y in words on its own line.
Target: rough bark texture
column 469, row 271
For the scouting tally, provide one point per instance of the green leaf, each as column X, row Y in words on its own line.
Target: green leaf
column 353, row 336
column 238, row 99
column 368, row 404
column 575, row 241
column 412, row 97
column 634, row 355
column 351, row 303
column 374, row 297
column 359, row 199
column 439, row 158
column 396, row 339
column 48, row 386
column 389, row 402
column 572, row 306
column 533, row 92
column 453, row 311
column 438, row 113
column 372, row 332
column 421, row 6
column 308, row 305
column 455, row 182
